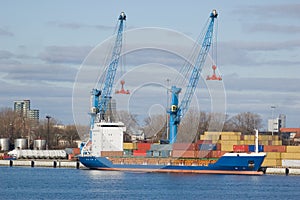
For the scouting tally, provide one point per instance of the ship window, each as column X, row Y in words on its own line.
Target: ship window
column 111, row 126
column 251, row 163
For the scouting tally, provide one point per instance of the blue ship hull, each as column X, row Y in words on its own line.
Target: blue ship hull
column 230, row 163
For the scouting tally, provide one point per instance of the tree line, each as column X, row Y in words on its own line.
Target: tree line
column 194, row 124
column 13, row 126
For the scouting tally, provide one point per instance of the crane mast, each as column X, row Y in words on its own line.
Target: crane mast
column 101, row 98
column 177, row 113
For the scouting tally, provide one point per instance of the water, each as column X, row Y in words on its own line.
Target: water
column 48, row 183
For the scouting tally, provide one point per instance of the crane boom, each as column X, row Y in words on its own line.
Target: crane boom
column 112, row 69
column 177, row 113
column 100, row 98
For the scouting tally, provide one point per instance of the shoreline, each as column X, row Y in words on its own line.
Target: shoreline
column 42, row 163
column 78, row 165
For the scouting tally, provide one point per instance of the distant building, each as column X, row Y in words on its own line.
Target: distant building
column 274, row 125
column 22, row 107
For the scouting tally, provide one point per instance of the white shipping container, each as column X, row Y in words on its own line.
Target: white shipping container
column 291, row 163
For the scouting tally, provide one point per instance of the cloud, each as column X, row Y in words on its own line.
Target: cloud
column 65, row 54
column 269, row 11
column 245, row 53
column 5, row 54
column 264, row 84
column 272, row 28
column 76, row 25
column 36, row 74
column 4, row 32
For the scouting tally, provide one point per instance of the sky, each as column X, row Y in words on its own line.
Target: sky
column 44, row 46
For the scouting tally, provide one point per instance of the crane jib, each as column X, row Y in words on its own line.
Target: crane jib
column 111, row 72
column 178, row 114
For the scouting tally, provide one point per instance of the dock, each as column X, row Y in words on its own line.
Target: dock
column 42, row 163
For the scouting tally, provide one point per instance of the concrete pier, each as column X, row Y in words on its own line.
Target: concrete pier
column 42, row 163
column 283, row 171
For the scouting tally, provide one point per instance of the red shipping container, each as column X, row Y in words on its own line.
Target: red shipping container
column 139, row 154
column 184, row 146
column 76, row 151
column 218, row 145
column 203, row 142
column 240, row 148
column 140, row 151
column 144, row 146
column 274, row 148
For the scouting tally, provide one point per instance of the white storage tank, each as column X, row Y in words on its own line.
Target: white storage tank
column 39, row 144
column 21, row 143
column 4, row 144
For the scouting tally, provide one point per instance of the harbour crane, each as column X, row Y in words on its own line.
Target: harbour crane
column 177, row 112
column 100, row 99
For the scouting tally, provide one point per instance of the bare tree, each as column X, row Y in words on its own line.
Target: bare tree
column 245, row 122
column 189, row 126
column 129, row 120
column 156, row 127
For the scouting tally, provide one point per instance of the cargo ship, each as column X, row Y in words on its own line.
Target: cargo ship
column 105, row 152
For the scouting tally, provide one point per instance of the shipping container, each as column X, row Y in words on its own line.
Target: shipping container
column 271, row 163
column 249, row 142
column 264, row 137
column 275, row 137
column 161, row 147
column 293, row 149
column 208, row 147
column 240, row 148
column 291, row 163
column 274, row 148
column 203, row 142
column 127, row 152
column 231, row 133
column 76, row 151
column 142, row 154
column 166, row 153
column 249, row 137
column 203, row 154
column 273, row 155
column 140, row 151
column 183, row 154
column 144, row 146
column 263, row 142
column 279, row 142
column 252, row 148
column 130, row 146
column 184, row 146
column 231, row 137
column 290, row 156
column 111, row 153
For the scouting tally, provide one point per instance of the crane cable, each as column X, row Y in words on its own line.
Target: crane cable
column 185, row 71
column 106, row 63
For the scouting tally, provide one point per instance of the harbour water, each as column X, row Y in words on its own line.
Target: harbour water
column 57, row 183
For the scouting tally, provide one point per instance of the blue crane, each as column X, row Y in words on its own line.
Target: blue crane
column 177, row 113
column 101, row 98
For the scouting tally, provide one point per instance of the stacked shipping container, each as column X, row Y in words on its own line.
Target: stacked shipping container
column 216, row 144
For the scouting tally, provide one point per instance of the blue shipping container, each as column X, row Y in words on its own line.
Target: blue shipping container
column 260, row 148
column 207, row 147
